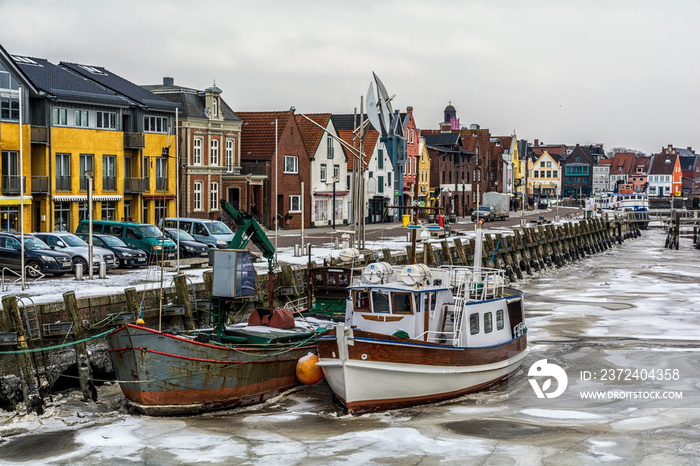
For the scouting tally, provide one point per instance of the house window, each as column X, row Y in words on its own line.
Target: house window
column 329, row 147
column 81, row 118
column 155, row 124
column 214, row 108
column 380, row 159
column 86, row 164
column 197, row 196
column 537, row 173
column 197, row 151
column 106, row 120
column 323, row 172
column 61, row 216
column 291, row 164
column 158, row 210
column 214, row 152
column 109, row 173
column 555, row 174
column 542, row 164
column 549, row 164
column 380, row 184
column 9, row 100
column 549, row 173
column 214, row 196
column 295, row 203
column 161, row 174
column 63, row 182
column 60, row 117
column 336, row 172
column 388, row 179
column 229, row 156
column 109, row 210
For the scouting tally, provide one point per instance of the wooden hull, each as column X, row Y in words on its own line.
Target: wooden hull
column 162, row 374
column 370, row 371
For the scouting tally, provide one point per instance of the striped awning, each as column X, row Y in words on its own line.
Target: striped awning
column 84, row 198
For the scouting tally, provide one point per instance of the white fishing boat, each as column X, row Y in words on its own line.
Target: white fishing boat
column 415, row 335
column 635, row 204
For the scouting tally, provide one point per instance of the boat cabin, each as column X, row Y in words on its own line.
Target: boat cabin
column 458, row 306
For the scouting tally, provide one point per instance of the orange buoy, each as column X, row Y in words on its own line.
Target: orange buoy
column 308, row 372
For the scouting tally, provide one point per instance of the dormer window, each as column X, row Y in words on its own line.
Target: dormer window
column 214, row 108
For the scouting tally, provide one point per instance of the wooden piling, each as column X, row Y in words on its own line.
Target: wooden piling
column 182, row 297
column 87, row 386
column 28, row 380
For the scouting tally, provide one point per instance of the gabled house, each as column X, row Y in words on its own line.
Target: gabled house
column 423, row 173
column 449, row 171
column 601, row 176
column 665, row 176
column 329, row 162
column 271, row 145
column 378, row 172
column 577, row 173
column 508, row 149
column 620, row 169
column 412, row 136
column 638, row 173
column 209, row 161
column 544, row 174
column 689, row 167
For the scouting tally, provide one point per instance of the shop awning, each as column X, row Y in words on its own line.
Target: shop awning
column 84, row 198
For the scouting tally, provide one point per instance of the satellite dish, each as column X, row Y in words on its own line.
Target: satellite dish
column 372, row 108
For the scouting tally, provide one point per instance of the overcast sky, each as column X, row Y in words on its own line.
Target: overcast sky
column 618, row 72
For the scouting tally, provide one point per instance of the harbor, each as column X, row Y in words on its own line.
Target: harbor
column 586, row 310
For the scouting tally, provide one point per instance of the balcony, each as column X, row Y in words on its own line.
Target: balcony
column 40, row 135
column 161, row 184
column 10, row 185
column 63, row 183
column 109, row 183
column 133, row 141
column 40, row 184
column 135, row 185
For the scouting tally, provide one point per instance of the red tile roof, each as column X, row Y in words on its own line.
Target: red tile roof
column 370, row 141
column 258, row 132
column 311, row 134
column 621, row 163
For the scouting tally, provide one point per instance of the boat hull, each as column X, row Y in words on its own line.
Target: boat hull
column 369, row 371
column 163, row 374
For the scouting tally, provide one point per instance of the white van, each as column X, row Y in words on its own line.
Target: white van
column 213, row 233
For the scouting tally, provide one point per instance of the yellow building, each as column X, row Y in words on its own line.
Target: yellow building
column 544, row 175
column 88, row 124
column 423, row 172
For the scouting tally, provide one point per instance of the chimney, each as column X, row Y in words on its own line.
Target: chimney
column 168, row 81
column 690, row 149
column 537, row 142
column 409, row 110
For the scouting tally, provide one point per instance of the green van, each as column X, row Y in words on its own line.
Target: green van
column 139, row 235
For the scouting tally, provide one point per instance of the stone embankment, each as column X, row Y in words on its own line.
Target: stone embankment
column 42, row 347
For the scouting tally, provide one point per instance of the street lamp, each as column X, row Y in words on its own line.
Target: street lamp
column 335, row 180
column 90, row 174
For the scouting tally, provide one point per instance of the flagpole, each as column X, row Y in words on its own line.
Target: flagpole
column 277, row 170
column 21, row 189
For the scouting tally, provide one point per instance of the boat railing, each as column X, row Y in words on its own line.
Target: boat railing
column 296, row 305
column 475, row 284
column 436, row 336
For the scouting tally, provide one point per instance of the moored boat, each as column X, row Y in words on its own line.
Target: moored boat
column 416, row 335
column 166, row 374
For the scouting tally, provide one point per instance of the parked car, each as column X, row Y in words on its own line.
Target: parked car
column 77, row 249
column 39, row 258
column 189, row 247
column 213, row 233
column 144, row 236
column 124, row 255
column 486, row 212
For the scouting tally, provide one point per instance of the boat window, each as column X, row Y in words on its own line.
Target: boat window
column 401, row 303
column 361, row 303
column 499, row 319
column 488, row 322
column 343, row 279
column 331, row 279
column 380, row 302
column 473, row 324
column 318, row 279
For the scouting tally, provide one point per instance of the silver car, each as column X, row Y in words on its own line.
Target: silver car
column 77, row 249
